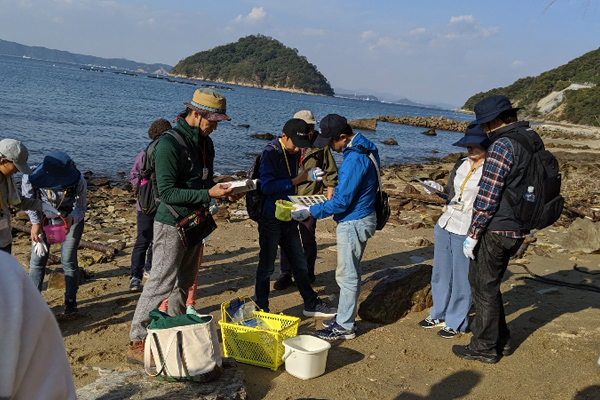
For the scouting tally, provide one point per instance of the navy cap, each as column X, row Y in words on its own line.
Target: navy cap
column 474, row 136
column 298, row 130
column 56, row 172
column 490, row 107
column 330, row 126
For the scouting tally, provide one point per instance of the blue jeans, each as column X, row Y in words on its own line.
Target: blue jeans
column 68, row 258
column 141, row 255
column 272, row 233
column 450, row 286
column 352, row 239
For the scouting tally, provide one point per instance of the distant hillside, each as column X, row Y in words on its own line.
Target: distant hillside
column 568, row 93
column 258, row 61
column 43, row 53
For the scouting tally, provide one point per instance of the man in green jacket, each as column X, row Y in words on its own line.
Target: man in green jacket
column 309, row 158
column 185, row 183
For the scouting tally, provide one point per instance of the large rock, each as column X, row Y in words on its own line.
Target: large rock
column 364, row 124
column 263, row 136
column 136, row 384
column 389, row 295
column 583, row 235
column 390, row 142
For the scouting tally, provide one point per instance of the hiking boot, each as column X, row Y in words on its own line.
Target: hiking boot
column 468, row 354
column 447, row 333
column 335, row 332
column 70, row 306
column 429, row 323
column 135, row 284
column 283, row 282
column 135, row 352
column 321, row 310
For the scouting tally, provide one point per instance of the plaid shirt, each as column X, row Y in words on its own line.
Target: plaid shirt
column 498, row 163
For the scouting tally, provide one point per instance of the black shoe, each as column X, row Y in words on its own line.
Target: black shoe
column 70, row 306
column 506, row 350
column 468, row 354
column 283, row 282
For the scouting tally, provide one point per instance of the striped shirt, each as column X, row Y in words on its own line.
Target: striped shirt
column 498, row 162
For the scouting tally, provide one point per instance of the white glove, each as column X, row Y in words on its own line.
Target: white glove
column 300, row 213
column 315, row 174
column 429, row 187
column 213, row 207
column 50, row 211
column 469, row 247
column 40, row 247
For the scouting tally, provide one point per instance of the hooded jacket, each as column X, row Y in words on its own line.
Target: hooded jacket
column 354, row 196
column 275, row 179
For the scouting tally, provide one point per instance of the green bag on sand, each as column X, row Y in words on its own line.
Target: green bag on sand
column 184, row 348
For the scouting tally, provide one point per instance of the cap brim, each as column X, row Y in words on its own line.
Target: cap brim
column 302, row 143
column 321, row 142
column 24, row 168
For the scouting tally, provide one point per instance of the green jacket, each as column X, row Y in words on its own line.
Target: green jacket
column 323, row 159
column 180, row 182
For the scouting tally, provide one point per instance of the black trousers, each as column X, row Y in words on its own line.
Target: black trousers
column 307, row 229
column 489, row 329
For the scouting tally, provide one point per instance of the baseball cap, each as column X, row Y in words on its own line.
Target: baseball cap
column 330, row 126
column 15, row 152
column 297, row 130
column 306, row 116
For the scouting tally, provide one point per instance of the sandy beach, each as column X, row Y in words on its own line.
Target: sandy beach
column 555, row 328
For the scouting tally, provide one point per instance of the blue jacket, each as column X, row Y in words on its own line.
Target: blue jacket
column 354, row 196
column 275, row 180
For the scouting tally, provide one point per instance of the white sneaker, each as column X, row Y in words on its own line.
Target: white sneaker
column 191, row 311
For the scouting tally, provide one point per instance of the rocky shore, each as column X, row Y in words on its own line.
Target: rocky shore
column 554, row 326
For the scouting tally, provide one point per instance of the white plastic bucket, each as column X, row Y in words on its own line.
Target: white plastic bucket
column 305, row 356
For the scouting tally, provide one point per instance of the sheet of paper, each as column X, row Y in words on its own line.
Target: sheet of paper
column 308, row 200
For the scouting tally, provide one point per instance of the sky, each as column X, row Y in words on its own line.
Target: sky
column 434, row 52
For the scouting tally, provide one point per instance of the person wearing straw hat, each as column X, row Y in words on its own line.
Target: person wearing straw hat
column 185, row 185
column 13, row 159
column 495, row 234
column 309, row 158
column 450, row 276
column 56, row 181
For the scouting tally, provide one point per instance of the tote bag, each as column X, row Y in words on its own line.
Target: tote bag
column 184, row 348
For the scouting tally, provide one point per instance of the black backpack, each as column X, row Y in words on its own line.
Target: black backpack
column 382, row 203
column 255, row 199
column 147, row 193
column 544, row 177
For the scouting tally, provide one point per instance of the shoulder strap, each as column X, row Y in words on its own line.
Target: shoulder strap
column 521, row 140
column 369, row 154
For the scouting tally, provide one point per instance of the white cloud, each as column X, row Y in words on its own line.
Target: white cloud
column 417, row 31
column 462, row 18
column 257, row 14
column 366, row 35
column 313, row 32
column 388, row 43
column 516, row 64
column 464, row 28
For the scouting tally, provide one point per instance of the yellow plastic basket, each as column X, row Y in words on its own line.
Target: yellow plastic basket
column 255, row 346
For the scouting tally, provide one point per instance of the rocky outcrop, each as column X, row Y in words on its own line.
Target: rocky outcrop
column 364, row 124
column 429, row 132
column 446, row 124
column 583, row 235
column 389, row 295
column 390, row 142
column 263, row 136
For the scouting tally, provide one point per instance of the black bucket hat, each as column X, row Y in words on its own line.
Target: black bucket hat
column 490, row 107
column 474, row 136
column 56, row 172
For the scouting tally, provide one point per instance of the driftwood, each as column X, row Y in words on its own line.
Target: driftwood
column 83, row 244
column 528, row 240
column 417, row 196
column 584, row 212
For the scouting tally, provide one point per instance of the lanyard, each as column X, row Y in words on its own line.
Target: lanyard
column 50, row 198
column 287, row 163
column 462, row 187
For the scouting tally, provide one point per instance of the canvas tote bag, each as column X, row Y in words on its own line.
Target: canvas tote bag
column 184, row 348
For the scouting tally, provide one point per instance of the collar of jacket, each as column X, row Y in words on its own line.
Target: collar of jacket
column 495, row 135
column 190, row 133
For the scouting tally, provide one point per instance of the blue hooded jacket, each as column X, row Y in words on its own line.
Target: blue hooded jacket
column 354, row 196
column 275, row 179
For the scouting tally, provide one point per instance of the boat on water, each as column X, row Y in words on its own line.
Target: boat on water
column 124, row 73
column 91, row 69
column 211, row 86
column 158, row 77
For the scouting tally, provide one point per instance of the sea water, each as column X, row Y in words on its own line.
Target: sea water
column 101, row 119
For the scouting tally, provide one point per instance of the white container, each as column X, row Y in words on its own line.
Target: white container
column 305, row 356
